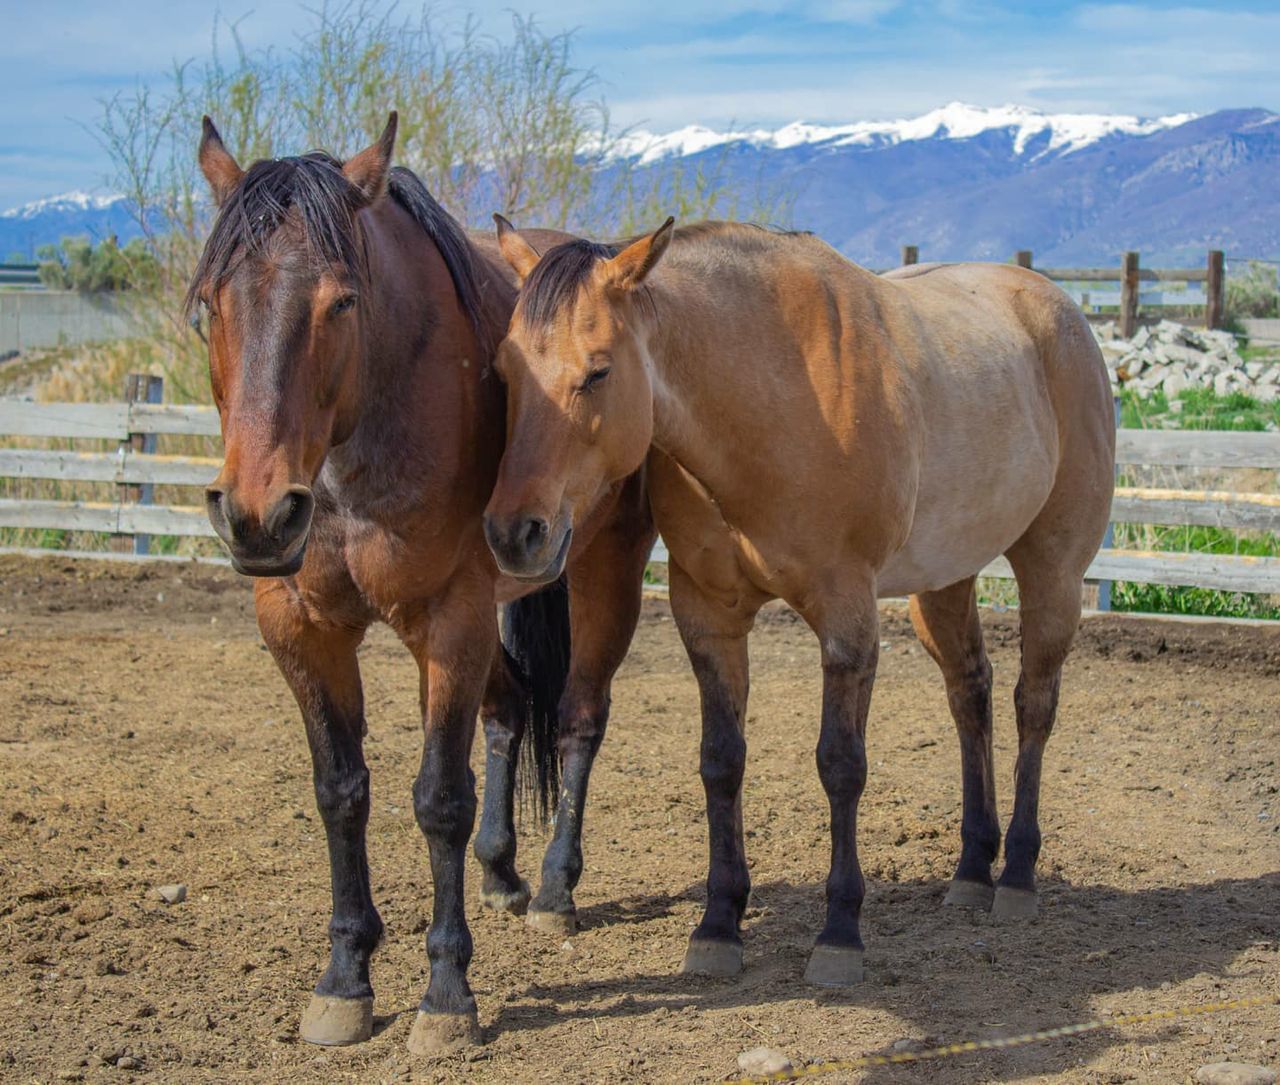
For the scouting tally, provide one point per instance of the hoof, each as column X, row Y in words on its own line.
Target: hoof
column 705, row 957
column 560, row 924
column 437, row 1034
column 834, row 966
column 516, row 903
column 1014, row 903
column 334, row 1022
column 966, row 894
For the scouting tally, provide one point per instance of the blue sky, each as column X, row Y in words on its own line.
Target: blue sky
column 667, row 63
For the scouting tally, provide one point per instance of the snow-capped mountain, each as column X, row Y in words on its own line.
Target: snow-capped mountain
column 23, row 230
column 966, row 183
column 961, row 182
column 1066, row 132
column 67, row 203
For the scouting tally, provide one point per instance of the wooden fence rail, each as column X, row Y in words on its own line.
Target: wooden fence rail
column 1130, row 275
column 130, row 469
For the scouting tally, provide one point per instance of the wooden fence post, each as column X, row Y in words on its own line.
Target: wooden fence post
column 1215, row 291
column 1128, row 295
column 910, row 254
column 138, row 388
column 1022, row 258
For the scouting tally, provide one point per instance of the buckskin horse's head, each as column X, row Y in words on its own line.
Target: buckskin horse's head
column 281, row 280
column 579, row 392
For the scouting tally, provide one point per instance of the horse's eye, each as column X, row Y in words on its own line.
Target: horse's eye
column 347, row 301
column 594, row 378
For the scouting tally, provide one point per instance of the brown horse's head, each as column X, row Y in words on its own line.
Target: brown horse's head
column 579, row 393
column 280, row 279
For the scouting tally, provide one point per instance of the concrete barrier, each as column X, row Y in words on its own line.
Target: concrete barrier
column 50, row 318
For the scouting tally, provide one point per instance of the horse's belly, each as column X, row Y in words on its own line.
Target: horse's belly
column 958, row 530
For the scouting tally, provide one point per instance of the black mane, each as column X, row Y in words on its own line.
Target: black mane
column 326, row 203
column 557, row 277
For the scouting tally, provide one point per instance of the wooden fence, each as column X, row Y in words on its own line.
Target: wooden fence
column 1122, row 286
column 134, row 470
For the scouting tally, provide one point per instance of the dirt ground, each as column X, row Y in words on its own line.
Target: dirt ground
column 146, row 738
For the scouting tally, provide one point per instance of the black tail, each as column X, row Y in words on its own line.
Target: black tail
column 535, row 634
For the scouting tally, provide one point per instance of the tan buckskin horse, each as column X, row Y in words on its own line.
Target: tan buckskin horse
column 352, row 324
column 826, row 436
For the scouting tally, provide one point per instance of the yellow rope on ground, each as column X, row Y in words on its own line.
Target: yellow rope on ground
column 1021, row 1040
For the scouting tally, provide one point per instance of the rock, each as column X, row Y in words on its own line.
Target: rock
column 1234, row 1073
column 762, row 1061
column 90, row 911
column 1140, row 338
column 172, row 894
column 128, row 1062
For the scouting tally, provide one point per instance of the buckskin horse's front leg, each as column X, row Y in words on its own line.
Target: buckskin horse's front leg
column 317, row 656
column 503, row 716
column 454, row 644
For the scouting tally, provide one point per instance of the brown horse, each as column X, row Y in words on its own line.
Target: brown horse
column 826, row 436
column 352, row 325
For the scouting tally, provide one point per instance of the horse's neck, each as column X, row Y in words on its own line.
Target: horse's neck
column 688, row 363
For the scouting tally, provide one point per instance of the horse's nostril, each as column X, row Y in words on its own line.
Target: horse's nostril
column 291, row 516
column 535, row 532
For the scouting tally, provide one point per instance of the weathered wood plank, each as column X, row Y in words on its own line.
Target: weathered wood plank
column 1197, row 448
column 189, row 520
column 183, row 419
column 1114, row 274
column 106, row 421
column 1224, row 572
column 61, row 465
column 1197, row 508
column 105, row 516
column 63, row 515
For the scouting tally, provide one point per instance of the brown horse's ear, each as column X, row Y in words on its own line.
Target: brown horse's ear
column 628, row 269
column 221, row 170
column 522, row 256
column 368, row 170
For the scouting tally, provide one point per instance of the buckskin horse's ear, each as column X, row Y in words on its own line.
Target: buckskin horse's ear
column 522, row 256
column 368, row 170
column 628, row 269
column 221, row 170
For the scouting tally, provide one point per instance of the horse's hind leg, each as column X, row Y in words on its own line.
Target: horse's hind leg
column 947, row 624
column 503, row 715
column 319, row 662
column 605, row 585
column 1049, row 592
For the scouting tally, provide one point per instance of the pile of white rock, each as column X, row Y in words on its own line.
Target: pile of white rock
column 1171, row 357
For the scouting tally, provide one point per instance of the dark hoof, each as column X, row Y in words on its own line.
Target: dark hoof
column 834, row 966
column 1014, row 903
column 517, row 903
column 705, row 957
column 335, row 1022
column 436, row 1034
column 966, row 894
column 559, row 924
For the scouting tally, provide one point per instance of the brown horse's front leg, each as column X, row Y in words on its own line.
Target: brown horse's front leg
column 318, row 659
column 849, row 635
column 605, row 585
column 453, row 641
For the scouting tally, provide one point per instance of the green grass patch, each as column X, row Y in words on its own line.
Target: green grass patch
column 1200, row 409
